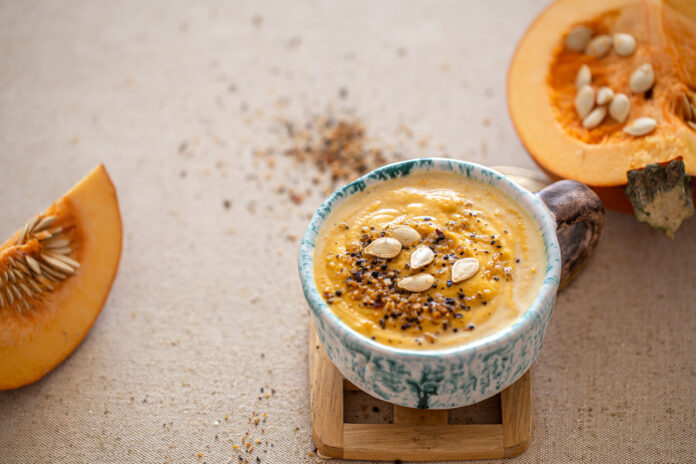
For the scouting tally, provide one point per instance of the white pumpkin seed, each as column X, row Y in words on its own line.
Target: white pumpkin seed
column 464, row 269
column 640, row 126
column 57, row 243
column 691, row 124
column 417, row 283
column 686, row 108
column 642, row 78
column 624, row 44
column 385, row 247
column 577, row 38
column 619, row 107
column 44, row 223
column 406, row 235
column 584, row 101
column 584, row 77
column 595, row 118
column 421, row 257
column 604, row 95
column 599, row 46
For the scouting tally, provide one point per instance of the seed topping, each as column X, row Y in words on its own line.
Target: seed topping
column 464, row 269
column 406, row 235
column 385, row 247
column 421, row 257
column 417, row 283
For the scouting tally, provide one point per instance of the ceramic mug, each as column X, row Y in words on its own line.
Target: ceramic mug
column 566, row 212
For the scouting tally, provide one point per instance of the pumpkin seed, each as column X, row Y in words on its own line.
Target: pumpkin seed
column 44, row 223
column 385, row 247
column 33, row 264
column 642, row 78
column 406, row 235
column 595, row 118
column 691, row 124
column 577, row 38
column 421, row 257
column 640, row 126
column 464, row 269
column 604, row 95
column 619, row 107
column 417, row 283
column 599, row 46
column 57, row 243
column 584, row 101
column 624, row 44
column 686, row 108
column 584, row 76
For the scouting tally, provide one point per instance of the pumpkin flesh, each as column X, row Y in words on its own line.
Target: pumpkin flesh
column 38, row 332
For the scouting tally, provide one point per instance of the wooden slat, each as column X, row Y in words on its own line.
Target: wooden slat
column 325, row 399
column 348, row 386
column 413, row 416
column 516, row 407
column 422, row 442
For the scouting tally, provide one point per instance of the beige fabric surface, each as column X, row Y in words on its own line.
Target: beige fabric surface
column 207, row 310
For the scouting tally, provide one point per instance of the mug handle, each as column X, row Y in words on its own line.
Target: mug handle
column 579, row 214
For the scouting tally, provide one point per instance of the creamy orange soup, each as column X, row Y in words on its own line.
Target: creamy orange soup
column 450, row 219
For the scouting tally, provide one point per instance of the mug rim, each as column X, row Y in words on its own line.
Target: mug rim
column 530, row 202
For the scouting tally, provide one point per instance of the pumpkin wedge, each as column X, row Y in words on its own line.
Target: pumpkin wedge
column 55, row 275
column 643, row 49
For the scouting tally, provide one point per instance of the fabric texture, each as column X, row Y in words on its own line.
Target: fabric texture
column 203, row 338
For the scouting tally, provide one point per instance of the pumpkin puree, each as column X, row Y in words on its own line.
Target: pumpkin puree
column 457, row 218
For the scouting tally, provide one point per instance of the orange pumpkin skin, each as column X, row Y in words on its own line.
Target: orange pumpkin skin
column 39, row 333
column 541, row 88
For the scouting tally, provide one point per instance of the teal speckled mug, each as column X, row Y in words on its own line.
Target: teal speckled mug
column 566, row 212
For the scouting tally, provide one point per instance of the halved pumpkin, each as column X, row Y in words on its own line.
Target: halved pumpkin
column 55, row 275
column 542, row 91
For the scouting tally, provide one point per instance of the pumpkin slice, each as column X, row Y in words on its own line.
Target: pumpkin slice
column 545, row 78
column 55, row 275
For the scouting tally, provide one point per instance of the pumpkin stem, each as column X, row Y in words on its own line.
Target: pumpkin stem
column 661, row 194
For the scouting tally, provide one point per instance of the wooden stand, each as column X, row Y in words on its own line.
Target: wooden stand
column 411, row 434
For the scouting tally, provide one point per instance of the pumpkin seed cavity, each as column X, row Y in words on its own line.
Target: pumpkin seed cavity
column 581, row 39
column 35, row 264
